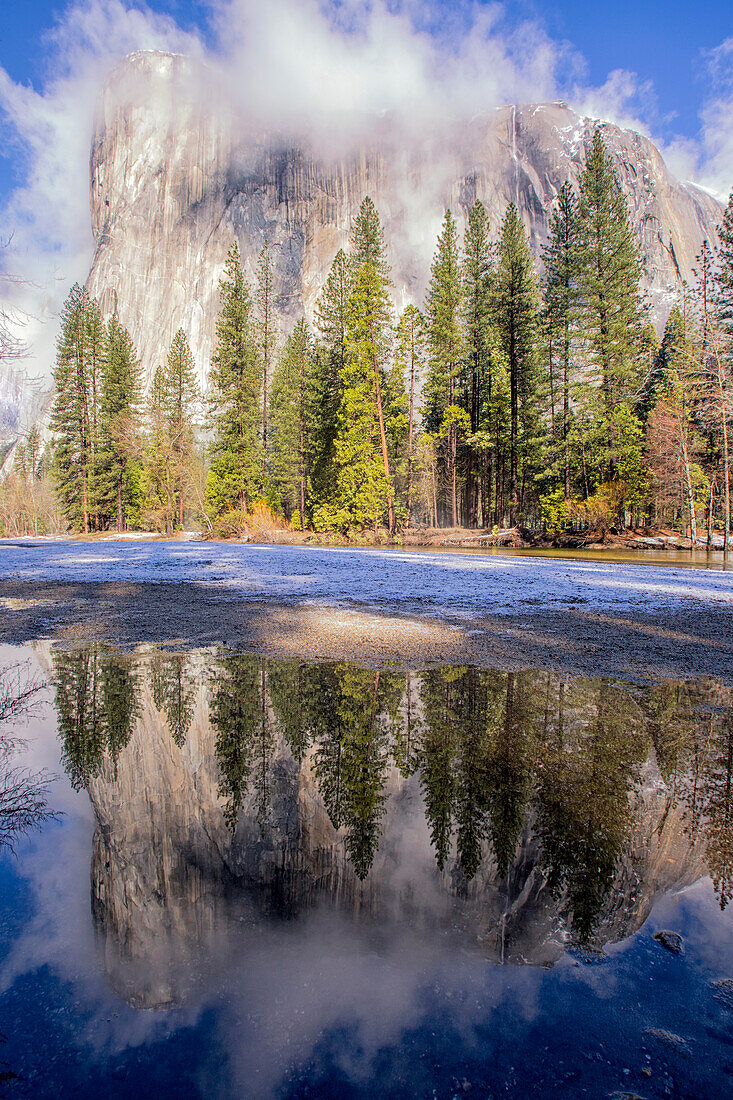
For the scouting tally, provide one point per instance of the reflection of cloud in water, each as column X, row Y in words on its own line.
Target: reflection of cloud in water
column 276, row 846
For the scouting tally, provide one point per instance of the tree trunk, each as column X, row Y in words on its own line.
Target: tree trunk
column 120, row 520
column 454, row 459
column 302, row 473
column 688, row 481
column 566, row 411
column 409, row 440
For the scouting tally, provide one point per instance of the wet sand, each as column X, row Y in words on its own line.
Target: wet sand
column 691, row 639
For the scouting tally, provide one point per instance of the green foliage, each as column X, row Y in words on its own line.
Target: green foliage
column 444, row 315
column 609, row 274
column 235, row 398
column 171, row 411
column 364, row 489
column 77, row 376
column 555, row 511
column 120, row 443
column 516, row 305
column 294, row 414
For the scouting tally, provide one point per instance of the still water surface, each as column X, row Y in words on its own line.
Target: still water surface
column 276, row 879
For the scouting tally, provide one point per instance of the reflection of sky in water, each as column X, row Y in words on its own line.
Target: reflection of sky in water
column 328, row 1005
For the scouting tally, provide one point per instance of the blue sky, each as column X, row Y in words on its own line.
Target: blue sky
column 662, row 42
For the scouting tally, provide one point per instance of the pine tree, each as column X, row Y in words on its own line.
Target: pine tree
column 443, row 314
column 364, row 485
column 410, row 359
column 366, row 241
column 159, row 454
column 481, row 346
column 609, row 275
column 515, row 312
column 119, row 414
column 79, row 358
column 331, row 322
column 293, row 416
column 725, row 269
column 561, row 259
column 266, row 335
column 235, row 397
column 722, row 354
column 182, row 397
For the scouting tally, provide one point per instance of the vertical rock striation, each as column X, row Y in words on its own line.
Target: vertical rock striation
column 177, row 174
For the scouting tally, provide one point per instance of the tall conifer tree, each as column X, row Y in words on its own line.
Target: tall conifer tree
column 118, row 474
column 364, row 485
column 181, row 397
column 235, row 397
column 561, row 259
column 411, row 355
column 293, row 418
column 444, row 315
column 266, row 334
column 331, row 322
column 611, row 308
column 481, row 347
column 516, row 306
column 79, row 359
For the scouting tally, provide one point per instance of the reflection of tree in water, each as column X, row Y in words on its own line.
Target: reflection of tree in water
column 173, row 690
column 353, row 720
column 352, row 753
column 23, row 794
column 96, row 705
column 588, row 761
column 719, row 809
column 244, row 741
column 475, row 762
column 696, row 735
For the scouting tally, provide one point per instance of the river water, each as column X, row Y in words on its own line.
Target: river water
column 281, row 879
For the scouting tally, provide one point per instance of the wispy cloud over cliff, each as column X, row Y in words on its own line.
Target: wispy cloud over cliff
column 328, row 71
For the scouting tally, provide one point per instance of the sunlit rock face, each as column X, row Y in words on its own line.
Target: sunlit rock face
column 517, row 812
column 177, row 175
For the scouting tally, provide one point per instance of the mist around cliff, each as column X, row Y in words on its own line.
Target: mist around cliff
column 324, row 73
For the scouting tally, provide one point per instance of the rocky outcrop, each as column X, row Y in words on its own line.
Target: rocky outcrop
column 176, row 177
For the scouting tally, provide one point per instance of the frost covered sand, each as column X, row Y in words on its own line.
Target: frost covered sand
column 375, row 606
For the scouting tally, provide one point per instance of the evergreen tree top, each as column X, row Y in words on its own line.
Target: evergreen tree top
column 725, row 267
column 366, row 240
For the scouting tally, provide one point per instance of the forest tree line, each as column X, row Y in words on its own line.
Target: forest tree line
column 513, row 397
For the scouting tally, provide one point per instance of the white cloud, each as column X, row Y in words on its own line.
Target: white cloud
column 716, row 170
column 46, row 219
column 308, row 67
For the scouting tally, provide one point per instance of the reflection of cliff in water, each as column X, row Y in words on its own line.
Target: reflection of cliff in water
column 520, row 810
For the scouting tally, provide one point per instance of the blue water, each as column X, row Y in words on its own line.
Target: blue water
column 201, row 985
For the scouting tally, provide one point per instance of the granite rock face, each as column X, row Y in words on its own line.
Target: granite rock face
column 24, row 401
column 177, row 175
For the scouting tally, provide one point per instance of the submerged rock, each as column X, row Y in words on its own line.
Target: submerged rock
column 669, row 1039
column 723, row 991
column 671, row 941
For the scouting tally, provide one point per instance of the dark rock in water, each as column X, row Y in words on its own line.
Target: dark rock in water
column 723, row 991
column 669, row 1039
column 672, row 941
